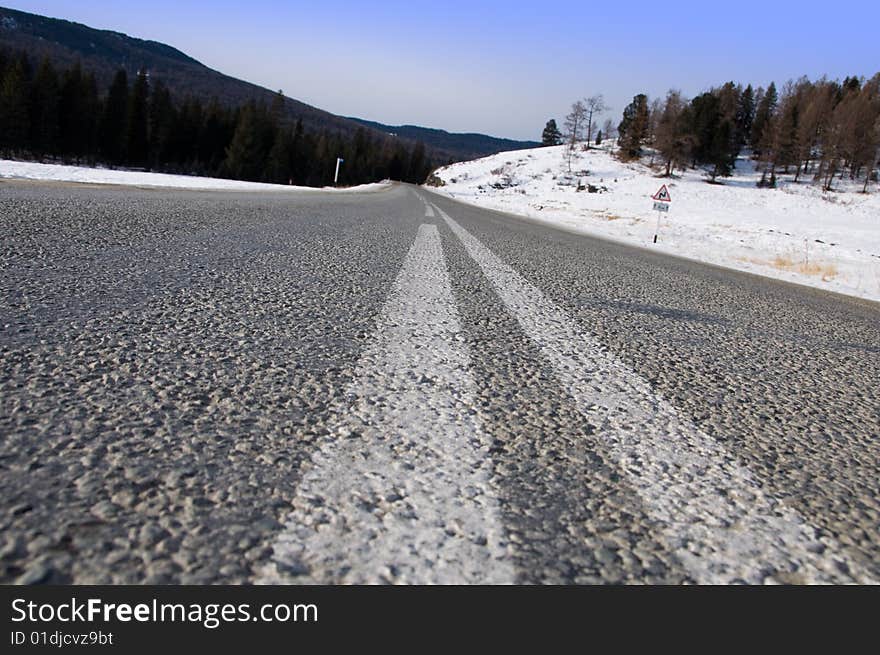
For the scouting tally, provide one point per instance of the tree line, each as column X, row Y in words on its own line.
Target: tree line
column 61, row 115
column 818, row 130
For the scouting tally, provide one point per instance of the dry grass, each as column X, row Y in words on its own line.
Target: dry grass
column 826, row 271
column 785, row 263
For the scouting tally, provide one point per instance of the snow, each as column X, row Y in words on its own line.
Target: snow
column 794, row 232
column 65, row 173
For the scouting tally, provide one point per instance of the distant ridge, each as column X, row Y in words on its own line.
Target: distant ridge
column 468, row 145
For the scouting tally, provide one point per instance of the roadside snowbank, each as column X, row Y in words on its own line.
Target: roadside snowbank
column 64, row 173
column 795, row 232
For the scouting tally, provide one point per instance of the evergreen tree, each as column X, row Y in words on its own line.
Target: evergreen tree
column 250, row 145
column 633, row 129
column 189, row 138
column 112, row 139
column 161, row 125
column 551, row 135
column 357, row 158
column 397, row 164
column 73, row 118
column 722, row 152
column 91, row 108
column 763, row 114
column 745, row 115
column 418, row 166
column 278, row 163
column 714, row 133
column 217, row 128
column 298, row 154
column 137, row 144
column 14, row 115
column 850, row 85
column 44, row 110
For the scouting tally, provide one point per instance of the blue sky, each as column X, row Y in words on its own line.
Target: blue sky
column 498, row 67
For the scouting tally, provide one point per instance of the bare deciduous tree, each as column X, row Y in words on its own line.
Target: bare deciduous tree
column 671, row 137
column 609, row 130
column 654, row 113
column 594, row 106
column 574, row 128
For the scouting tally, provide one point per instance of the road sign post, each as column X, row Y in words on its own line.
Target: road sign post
column 339, row 160
column 661, row 205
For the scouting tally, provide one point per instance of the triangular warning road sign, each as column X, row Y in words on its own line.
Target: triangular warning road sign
column 662, row 195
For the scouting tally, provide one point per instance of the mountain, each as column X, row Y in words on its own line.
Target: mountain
column 458, row 146
column 103, row 52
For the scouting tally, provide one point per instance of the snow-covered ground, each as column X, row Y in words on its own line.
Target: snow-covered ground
column 795, row 232
column 64, row 173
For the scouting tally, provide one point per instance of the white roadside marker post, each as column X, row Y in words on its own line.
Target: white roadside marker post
column 339, row 160
column 661, row 204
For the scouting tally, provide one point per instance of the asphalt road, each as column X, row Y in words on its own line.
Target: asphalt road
column 393, row 387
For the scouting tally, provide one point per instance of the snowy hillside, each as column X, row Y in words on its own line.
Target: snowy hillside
column 63, row 173
column 794, row 232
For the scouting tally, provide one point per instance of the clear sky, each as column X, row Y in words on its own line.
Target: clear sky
column 499, row 67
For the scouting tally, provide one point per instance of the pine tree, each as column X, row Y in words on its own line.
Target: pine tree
column 763, row 114
column 745, row 115
column 714, row 133
column 74, row 114
column 112, row 141
column 397, row 164
column 298, row 154
column 722, row 154
column 45, row 95
column 91, row 108
column 162, row 119
column 189, row 138
column 278, row 163
column 136, row 133
column 14, row 115
column 551, row 136
column 247, row 152
column 634, row 127
column 418, row 164
column 216, row 129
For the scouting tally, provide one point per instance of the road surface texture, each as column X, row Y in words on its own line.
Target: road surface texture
column 393, row 387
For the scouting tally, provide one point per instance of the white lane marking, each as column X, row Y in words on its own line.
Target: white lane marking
column 713, row 513
column 400, row 491
column 428, row 211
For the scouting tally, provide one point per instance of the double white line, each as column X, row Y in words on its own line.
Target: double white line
column 402, row 491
